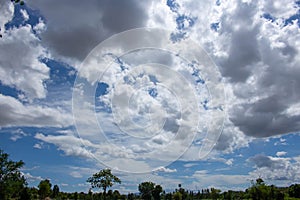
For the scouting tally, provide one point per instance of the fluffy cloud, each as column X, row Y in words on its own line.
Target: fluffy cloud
column 219, row 180
column 165, row 169
column 7, row 11
column 258, row 60
column 70, row 145
column 276, row 168
column 17, row 114
column 20, row 65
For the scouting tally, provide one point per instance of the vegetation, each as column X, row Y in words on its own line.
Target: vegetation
column 13, row 186
column 150, row 191
column 12, row 182
column 103, row 179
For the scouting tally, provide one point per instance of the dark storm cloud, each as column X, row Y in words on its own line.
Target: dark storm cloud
column 75, row 27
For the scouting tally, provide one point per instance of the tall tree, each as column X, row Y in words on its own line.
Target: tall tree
column 149, row 190
column 12, row 182
column 156, row 192
column 146, row 189
column 55, row 191
column 44, row 189
column 103, row 179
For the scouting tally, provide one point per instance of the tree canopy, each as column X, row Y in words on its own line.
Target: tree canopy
column 103, row 179
column 149, row 190
column 44, row 188
column 12, row 182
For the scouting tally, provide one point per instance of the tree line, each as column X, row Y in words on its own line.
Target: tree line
column 13, row 185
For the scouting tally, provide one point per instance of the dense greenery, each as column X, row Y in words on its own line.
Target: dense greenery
column 103, row 179
column 12, row 182
column 150, row 191
column 13, row 186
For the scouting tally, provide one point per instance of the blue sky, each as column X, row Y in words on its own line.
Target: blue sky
column 68, row 109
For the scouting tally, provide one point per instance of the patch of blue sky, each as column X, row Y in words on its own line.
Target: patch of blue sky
column 60, row 83
column 215, row 26
column 173, row 5
column 153, row 79
column 269, row 17
column 101, row 90
column 10, row 91
column 183, row 22
column 19, row 20
column 21, row 149
column 60, row 73
column 293, row 18
column 119, row 61
column 153, row 92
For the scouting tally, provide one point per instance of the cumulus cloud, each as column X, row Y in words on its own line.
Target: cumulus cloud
column 165, row 169
column 75, row 27
column 7, row 11
column 219, row 180
column 70, row 145
column 17, row 134
column 17, row 114
column 258, row 60
column 31, row 178
column 20, row 64
column 276, row 168
column 281, row 153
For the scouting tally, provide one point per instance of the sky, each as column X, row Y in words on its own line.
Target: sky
column 198, row 93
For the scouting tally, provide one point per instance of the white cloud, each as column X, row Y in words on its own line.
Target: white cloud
column 71, row 145
column 164, row 169
column 32, row 178
column 17, row 114
column 219, row 180
column 281, row 153
column 277, row 169
column 24, row 14
column 20, row 66
column 17, row 134
column 76, row 174
column 37, row 146
column 7, row 11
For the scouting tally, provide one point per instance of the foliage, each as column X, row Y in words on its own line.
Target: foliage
column 12, row 182
column 177, row 196
column 146, row 189
column 13, row 186
column 55, row 191
column 294, row 190
column 44, row 189
column 149, row 190
column 103, row 179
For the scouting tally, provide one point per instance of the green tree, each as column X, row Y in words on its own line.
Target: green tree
column 55, row 191
column 103, row 179
column 44, row 189
column 177, row 196
column 12, row 182
column 294, row 190
column 156, row 192
column 215, row 193
column 149, row 190
column 146, row 189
